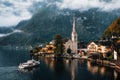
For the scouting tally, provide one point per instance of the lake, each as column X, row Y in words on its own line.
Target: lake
column 52, row 69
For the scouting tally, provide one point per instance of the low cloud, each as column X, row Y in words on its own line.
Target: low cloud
column 12, row 20
column 14, row 31
column 83, row 5
column 13, row 11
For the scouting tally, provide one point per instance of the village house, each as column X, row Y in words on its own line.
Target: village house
column 92, row 48
column 49, row 48
column 103, row 48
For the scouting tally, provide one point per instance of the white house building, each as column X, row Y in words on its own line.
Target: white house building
column 102, row 49
column 73, row 42
column 115, row 55
column 92, row 48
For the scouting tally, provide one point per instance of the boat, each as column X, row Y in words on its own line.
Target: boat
column 29, row 64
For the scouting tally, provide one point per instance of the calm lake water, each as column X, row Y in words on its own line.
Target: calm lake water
column 50, row 69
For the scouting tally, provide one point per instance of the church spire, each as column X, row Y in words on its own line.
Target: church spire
column 73, row 43
column 74, row 24
column 74, row 37
column 74, row 32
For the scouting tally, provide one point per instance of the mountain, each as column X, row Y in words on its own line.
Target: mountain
column 114, row 28
column 50, row 20
column 5, row 30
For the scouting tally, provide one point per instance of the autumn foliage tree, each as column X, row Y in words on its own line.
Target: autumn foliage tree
column 114, row 30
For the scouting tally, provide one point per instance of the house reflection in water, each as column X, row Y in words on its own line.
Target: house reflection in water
column 70, row 66
column 72, row 69
column 67, row 64
column 92, row 69
column 50, row 62
column 95, row 68
column 102, row 70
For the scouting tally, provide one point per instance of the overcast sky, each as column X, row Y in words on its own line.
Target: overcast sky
column 13, row 11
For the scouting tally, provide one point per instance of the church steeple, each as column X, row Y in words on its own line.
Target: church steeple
column 74, row 32
column 73, row 43
column 74, row 25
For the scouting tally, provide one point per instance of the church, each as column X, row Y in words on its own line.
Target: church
column 73, row 42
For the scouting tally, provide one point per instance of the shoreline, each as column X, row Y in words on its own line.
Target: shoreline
column 99, row 62
column 106, row 63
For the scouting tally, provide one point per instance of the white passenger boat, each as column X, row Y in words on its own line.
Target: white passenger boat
column 29, row 64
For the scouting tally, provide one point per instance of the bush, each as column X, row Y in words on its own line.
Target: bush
column 111, row 57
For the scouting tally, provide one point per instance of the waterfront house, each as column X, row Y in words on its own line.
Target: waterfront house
column 49, row 48
column 105, row 47
column 92, row 48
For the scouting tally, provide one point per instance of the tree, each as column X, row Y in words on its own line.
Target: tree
column 35, row 50
column 59, row 47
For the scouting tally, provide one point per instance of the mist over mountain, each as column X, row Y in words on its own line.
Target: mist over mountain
column 53, row 17
column 14, row 11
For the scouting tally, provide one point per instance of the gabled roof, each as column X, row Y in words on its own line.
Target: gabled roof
column 103, row 43
column 65, row 40
column 92, row 42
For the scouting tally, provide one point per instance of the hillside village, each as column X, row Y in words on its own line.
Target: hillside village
column 60, row 40
column 109, row 47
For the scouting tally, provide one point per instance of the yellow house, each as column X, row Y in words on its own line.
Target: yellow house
column 49, row 48
column 102, row 49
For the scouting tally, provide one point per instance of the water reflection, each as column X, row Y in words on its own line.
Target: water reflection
column 52, row 69
column 67, row 64
column 50, row 62
column 75, row 67
column 92, row 69
column 102, row 70
column 115, row 75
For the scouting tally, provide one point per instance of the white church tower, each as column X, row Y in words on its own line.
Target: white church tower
column 74, row 37
column 72, row 43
